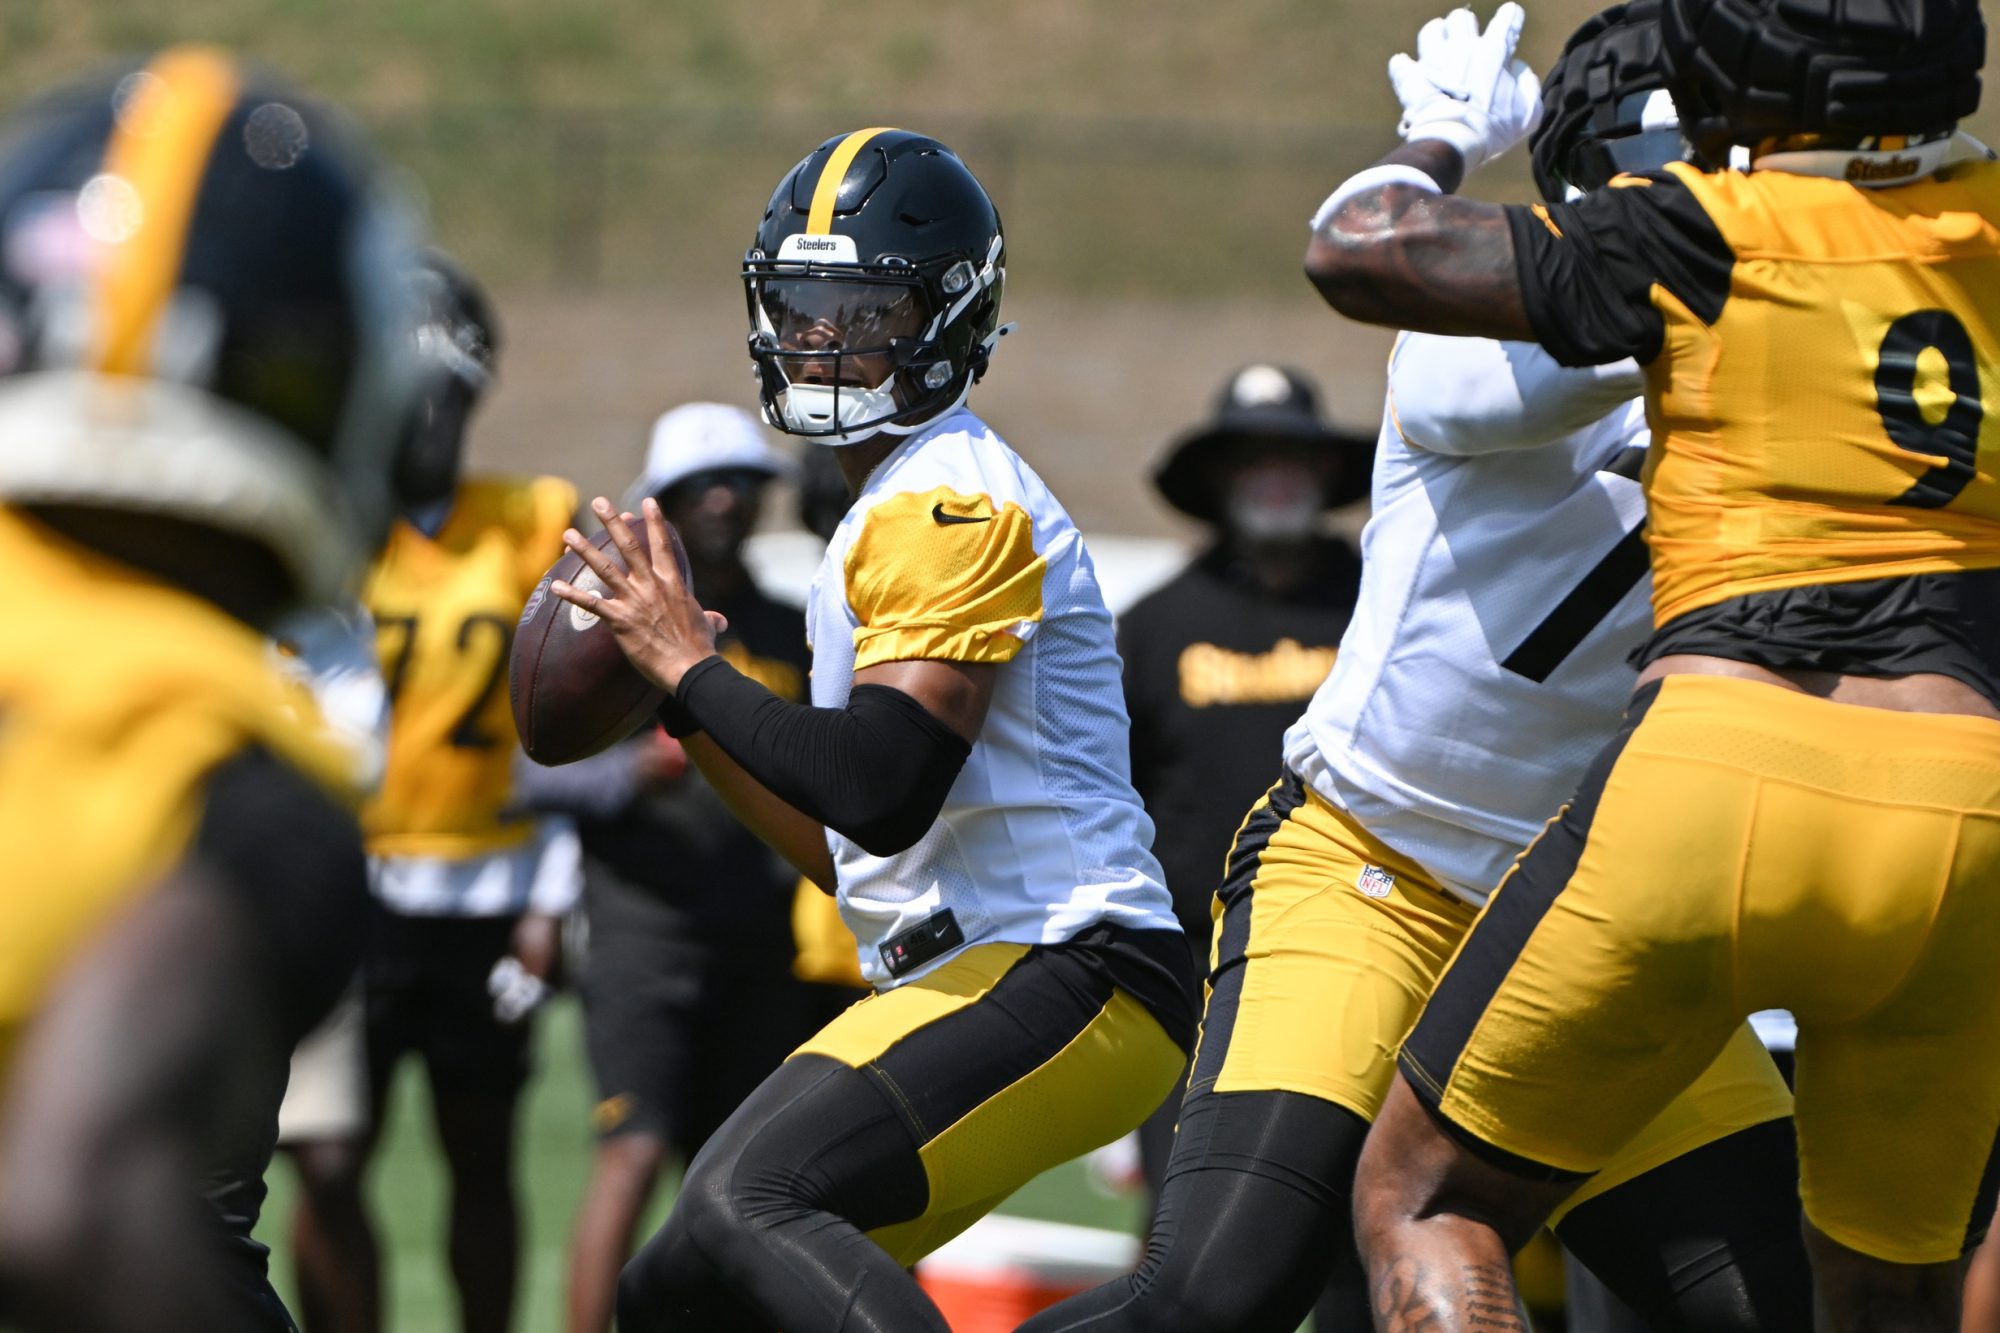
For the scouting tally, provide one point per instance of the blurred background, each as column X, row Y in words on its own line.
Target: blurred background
column 600, row 165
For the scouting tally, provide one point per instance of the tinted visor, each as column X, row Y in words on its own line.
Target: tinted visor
column 1593, row 163
column 837, row 315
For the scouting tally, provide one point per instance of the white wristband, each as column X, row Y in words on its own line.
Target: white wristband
column 1374, row 178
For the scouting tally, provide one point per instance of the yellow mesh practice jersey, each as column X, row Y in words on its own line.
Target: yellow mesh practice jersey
column 119, row 696
column 445, row 608
column 1818, row 355
column 955, row 551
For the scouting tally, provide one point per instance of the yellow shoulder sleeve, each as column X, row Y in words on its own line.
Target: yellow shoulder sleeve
column 941, row 576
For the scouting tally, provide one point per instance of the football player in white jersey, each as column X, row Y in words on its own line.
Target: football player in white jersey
column 1484, row 666
column 960, row 780
column 1794, row 810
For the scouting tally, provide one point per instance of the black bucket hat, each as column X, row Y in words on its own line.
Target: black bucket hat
column 1261, row 404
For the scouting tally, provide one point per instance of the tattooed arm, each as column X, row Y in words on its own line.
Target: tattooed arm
column 1401, row 256
column 1413, row 1297
column 1387, row 248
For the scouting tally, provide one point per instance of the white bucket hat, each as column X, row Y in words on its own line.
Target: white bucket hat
column 699, row 437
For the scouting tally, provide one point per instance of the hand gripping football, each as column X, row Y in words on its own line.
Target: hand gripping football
column 574, row 693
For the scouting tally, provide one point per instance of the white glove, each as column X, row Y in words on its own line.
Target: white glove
column 1466, row 88
column 516, row 991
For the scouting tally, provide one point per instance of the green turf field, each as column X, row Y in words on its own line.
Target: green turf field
column 408, row 1191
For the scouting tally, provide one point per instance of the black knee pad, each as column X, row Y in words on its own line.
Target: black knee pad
column 670, row 1287
column 638, row 1310
column 722, row 1200
column 816, row 1137
column 648, row 1284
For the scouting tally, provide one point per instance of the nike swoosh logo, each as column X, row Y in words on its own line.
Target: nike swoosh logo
column 944, row 520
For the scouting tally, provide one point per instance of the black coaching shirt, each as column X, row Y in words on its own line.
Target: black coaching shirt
column 1215, row 670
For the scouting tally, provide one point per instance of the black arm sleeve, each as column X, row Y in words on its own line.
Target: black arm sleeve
column 673, row 715
column 876, row 771
column 292, row 857
column 1588, row 269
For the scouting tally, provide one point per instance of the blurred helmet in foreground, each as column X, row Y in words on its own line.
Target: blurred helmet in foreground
column 205, row 312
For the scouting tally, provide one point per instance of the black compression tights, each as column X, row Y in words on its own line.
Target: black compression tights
column 1254, row 1220
column 776, row 1204
column 1712, row 1240
column 1253, row 1212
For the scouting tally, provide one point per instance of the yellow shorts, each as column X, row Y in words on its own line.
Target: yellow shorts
column 1326, row 946
column 1740, row 847
column 1013, row 1059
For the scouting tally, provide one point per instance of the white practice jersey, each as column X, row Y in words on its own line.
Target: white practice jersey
column 543, row 874
column 956, row 551
column 1504, row 586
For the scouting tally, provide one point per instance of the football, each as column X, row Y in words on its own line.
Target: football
column 574, row 693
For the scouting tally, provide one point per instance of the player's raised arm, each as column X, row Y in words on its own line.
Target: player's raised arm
column 1471, row 396
column 1390, row 245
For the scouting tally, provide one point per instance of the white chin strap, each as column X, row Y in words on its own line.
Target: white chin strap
column 1965, row 148
column 812, row 410
column 835, row 412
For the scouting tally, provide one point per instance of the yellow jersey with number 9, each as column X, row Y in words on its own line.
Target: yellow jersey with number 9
column 1819, row 360
column 119, row 696
column 445, row 608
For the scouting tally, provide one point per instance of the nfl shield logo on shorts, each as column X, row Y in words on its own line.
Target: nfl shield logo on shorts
column 1375, row 881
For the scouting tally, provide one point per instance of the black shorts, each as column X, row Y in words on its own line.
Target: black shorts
column 680, row 1027
column 426, row 993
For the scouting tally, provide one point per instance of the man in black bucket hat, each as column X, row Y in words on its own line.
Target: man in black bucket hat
column 1219, row 661
column 1263, row 411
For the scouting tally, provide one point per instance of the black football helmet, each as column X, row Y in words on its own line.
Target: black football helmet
column 1746, row 72
column 874, row 288
column 205, row 312
column 457, row 342
column 1606, row 110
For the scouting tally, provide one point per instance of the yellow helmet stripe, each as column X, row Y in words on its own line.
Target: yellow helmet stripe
column 819, row 218
column 153, row 170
